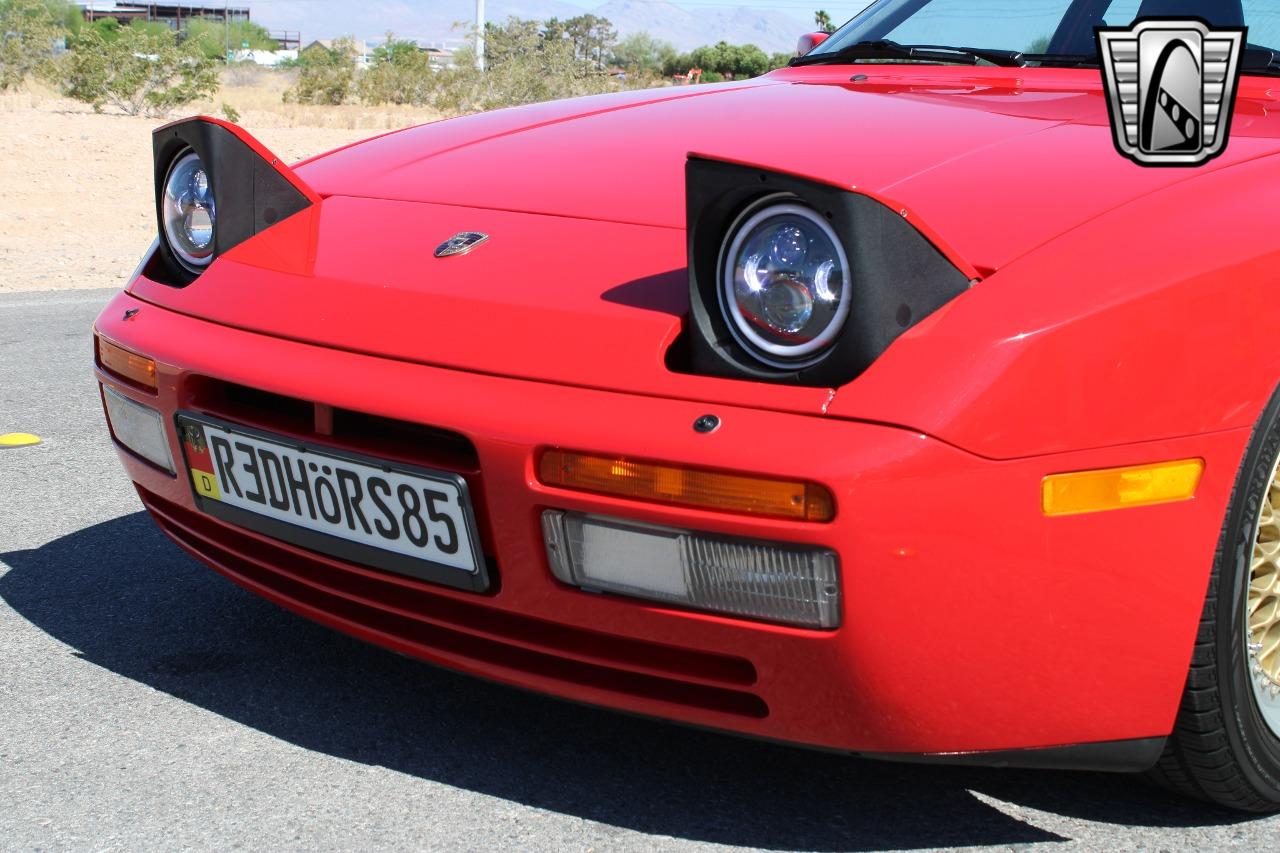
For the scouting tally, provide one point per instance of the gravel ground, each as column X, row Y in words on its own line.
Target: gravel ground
column 76, row 188
column 149, row 704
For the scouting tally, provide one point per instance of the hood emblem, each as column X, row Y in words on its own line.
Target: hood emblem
column 460, row 243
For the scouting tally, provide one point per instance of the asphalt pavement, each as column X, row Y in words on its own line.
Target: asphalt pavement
column 146, row 703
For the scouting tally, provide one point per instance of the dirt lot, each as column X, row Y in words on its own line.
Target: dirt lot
column 76, row 188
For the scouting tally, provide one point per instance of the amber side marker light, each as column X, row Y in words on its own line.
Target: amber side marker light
column 1121, row 488
column 651, row 481
column 127, row 364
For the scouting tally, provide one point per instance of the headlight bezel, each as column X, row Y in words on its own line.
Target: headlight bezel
column 751, row 218
column 253, row 191
column 897, row 275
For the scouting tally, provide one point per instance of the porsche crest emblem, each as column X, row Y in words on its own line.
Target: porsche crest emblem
column 1171, row 88
column 460, row 243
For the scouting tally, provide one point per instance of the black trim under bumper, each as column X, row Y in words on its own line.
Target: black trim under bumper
column 1116, row 756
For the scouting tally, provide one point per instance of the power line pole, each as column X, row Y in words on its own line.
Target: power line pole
column 480, row 35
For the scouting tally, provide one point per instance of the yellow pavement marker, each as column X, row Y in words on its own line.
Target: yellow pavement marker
column 18, row 439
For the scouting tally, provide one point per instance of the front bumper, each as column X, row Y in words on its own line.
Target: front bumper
column 971, row 622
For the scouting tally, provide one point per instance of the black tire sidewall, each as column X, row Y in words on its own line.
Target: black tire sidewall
column 1256, row 748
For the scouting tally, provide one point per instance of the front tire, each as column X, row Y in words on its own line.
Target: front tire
column 1225, row 747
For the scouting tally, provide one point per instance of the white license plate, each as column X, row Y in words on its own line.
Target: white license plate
column 384, row 514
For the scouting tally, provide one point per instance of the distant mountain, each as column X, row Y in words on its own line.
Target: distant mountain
column 433, row 20
column 774, row 32
column 658, row 18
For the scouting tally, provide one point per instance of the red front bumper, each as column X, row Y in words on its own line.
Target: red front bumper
column 971, row 622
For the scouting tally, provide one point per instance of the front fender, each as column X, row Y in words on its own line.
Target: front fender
column 1155, row 320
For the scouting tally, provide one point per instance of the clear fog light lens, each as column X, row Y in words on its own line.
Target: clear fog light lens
column 189, row 213
column 744, row 577
column 138, row 428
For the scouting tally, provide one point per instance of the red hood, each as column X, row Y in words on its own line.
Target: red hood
column 583, row 281
column 995, row 162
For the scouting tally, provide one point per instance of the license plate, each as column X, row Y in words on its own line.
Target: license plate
column 387, row 515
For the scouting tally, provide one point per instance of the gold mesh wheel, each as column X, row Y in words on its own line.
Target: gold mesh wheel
column 1262, row 611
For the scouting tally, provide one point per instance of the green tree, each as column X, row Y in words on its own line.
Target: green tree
column 394, row 50
column 513, row 39
column 750, row 61
column 28, row 32
column 642, row 53
column 215, row 36
column 554, row 28
column 729, row 61
column 106, row 28
column 678, row 63
column 156, row 29
column 65, row 14
column 109, row 29
column 822, row 21
column 328, row 74
column 140, row 72
column 592, row 37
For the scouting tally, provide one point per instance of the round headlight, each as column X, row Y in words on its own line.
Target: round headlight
column 188, row 212
column 784, row 285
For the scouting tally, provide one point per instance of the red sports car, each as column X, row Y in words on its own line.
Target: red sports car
column 877, row 404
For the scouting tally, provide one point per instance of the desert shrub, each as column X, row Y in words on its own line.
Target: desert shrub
column 244, row 73
column 140, row 72
column 328, row 74
column 28, row 32
column 400, row 73
column 230, row 113
column 524, row 64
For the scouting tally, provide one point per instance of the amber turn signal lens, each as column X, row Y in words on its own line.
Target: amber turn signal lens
column 1120, row 488
column 650, row 481
column 127, row 364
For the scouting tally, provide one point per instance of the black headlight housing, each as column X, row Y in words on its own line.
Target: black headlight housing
column 895, row 278
column 251, row 189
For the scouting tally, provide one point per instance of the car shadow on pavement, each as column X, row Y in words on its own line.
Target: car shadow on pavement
column 126, row 599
